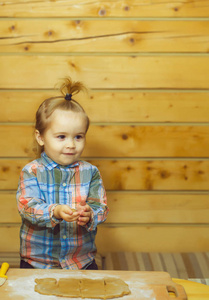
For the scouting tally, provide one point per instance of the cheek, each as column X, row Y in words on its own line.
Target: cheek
column 51, row 146
column 81, row 147
column 84, row 144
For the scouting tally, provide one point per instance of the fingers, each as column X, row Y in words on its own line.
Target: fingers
column 68, row 210
column 83, row 221
column 70, row 218
column 82, row 215
column 83, row 207
column 68, row 214
column 84, row 218
column 82, row 202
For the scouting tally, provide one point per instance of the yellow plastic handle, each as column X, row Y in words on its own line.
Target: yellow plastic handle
column 4, row 268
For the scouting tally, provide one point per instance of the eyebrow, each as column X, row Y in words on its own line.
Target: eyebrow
column 55, row 133
column 64, row 133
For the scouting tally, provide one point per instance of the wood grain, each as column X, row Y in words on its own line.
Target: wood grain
column 134, row 174
column 154, row 174
column 42, row 72
column 8, row 208
column 152, row 238
column 10, row 236
column 119, row 141
column 132, row 238
column 86, row 8
column 116, row 106
column 146, row 65
column 116, row 36
column 139, row 208
column 134, row 207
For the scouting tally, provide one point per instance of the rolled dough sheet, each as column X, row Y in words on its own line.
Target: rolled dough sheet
column 106, row 288
column 92, row 288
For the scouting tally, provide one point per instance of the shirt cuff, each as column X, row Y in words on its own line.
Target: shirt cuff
column 92, row 224
column 54, row 221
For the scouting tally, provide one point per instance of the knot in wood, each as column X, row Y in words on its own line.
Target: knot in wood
column 164, row 174
column 102, row 12
column 124, row 136
column 131, row 40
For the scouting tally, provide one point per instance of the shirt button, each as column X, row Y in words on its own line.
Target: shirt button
column 64, row 237
column 64, row 184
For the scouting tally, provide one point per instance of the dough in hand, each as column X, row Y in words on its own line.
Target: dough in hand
column 106, row 288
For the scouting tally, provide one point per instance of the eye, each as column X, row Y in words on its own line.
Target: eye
column 79, row 137
column 61, row 137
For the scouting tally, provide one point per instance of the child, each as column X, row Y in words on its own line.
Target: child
column 61, row 199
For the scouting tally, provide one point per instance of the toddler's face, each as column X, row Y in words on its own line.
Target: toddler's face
column 64, row 139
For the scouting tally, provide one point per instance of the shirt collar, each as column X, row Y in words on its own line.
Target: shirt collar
column 50, row 164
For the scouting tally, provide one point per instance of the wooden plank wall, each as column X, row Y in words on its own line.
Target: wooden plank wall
column 146, row 64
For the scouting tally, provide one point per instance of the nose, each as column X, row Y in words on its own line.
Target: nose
column 70, row 143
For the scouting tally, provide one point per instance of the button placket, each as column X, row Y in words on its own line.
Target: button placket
column 65, row 198
column 63, row 240
column 67, row 175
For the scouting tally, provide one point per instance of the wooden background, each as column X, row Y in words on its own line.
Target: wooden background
column 146, row 64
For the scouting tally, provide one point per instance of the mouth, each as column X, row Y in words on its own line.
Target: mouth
column 70, row 154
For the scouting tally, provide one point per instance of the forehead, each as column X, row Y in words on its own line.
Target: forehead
column 67, row 119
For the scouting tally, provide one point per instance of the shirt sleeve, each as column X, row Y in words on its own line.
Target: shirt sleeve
column 30, row 202
column 97, row 200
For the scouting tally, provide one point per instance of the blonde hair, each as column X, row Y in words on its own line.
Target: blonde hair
column 68, row 89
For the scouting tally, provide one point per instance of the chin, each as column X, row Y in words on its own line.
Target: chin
column 68, row 162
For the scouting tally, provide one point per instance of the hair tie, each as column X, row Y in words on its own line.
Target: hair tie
column 68, row 97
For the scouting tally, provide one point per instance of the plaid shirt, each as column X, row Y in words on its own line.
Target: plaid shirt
column 46, row 242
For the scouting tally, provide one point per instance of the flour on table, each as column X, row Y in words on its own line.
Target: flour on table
column 25, row 287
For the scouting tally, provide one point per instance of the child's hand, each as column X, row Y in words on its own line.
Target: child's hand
column 84, row 212
column 66, row 213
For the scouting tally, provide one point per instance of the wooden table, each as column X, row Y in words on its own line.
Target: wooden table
column 143, row 285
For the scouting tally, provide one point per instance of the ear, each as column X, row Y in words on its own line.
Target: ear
column 39, row 138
